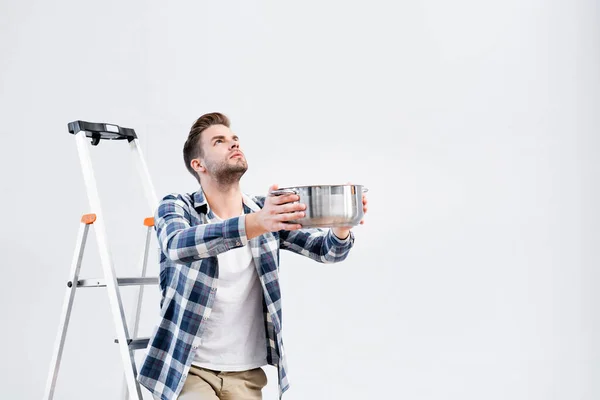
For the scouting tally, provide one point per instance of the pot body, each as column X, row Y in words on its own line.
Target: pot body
column 328, row 206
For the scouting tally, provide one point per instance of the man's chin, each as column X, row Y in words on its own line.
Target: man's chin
column 240, row 165
column 238, row 169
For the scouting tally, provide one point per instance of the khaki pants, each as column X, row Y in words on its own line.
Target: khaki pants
column 205, row 384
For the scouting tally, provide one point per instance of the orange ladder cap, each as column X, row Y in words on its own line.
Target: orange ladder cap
column 88, row 219
column 149, row 221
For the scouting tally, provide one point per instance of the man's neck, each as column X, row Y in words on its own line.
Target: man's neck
column 225, row 201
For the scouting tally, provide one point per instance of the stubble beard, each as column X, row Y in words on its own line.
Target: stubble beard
column 226, row 174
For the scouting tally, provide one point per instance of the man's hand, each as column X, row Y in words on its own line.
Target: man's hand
column 343, row 232
column 275, row 214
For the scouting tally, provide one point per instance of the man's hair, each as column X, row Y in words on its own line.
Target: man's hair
column 193, row 145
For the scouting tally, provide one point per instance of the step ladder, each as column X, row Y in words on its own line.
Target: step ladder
column 127, row 343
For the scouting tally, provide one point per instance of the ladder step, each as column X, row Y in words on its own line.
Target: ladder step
column 137, row 281
column 136, row 344
column 120, row 281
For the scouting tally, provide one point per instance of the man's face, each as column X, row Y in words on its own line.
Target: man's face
column 223, row 159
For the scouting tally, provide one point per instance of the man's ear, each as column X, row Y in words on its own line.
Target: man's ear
column 198, row 165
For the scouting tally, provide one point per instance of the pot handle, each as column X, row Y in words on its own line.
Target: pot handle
column 365, row 190
column 281, row 192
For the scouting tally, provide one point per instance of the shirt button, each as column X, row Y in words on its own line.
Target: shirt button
column 238, row 243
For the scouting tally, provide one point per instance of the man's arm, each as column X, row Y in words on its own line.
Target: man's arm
column 184, row 243
column 317, row 244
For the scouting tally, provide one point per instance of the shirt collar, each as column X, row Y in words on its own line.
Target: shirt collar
column 201, row 205
column 199, row 199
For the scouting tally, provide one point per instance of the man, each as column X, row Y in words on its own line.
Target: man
column 219, row 260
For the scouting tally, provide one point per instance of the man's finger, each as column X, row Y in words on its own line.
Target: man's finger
column 290, row 216
column 286, row 198
column 289, row 227
column 290, row 207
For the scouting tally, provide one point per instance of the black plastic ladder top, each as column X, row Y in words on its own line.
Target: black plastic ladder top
column 98, row 131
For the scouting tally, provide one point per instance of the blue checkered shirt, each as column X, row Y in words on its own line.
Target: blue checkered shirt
column 189, row 246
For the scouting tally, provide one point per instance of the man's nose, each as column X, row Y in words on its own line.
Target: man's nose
column 234, row 144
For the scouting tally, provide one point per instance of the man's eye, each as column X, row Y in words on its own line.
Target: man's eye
column 218, row 141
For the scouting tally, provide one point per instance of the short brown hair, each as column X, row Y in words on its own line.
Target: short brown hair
column 193, row 146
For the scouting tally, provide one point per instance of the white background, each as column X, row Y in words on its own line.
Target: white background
column 473, row 123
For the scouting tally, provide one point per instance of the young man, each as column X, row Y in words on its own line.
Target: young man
column 220, row 307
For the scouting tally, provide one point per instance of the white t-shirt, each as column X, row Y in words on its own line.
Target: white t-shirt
column 234, row 338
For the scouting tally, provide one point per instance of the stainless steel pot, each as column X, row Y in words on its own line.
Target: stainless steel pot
column 328, row 206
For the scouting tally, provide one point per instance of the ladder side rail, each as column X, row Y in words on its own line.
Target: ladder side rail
column 66, row 311
column 138, row 303
column 108, row 266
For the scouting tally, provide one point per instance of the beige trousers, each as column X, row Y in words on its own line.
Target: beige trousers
column 205, row 384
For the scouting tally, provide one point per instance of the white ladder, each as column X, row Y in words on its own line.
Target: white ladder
column 127, row 343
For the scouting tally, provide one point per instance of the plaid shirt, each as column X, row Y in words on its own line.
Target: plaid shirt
column 189, row 279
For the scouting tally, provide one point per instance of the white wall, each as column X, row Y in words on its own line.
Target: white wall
column 474, row 125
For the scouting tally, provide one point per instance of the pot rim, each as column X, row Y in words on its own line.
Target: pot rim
column 308, row 186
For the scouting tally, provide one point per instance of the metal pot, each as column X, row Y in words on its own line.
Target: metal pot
column 328, row 206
